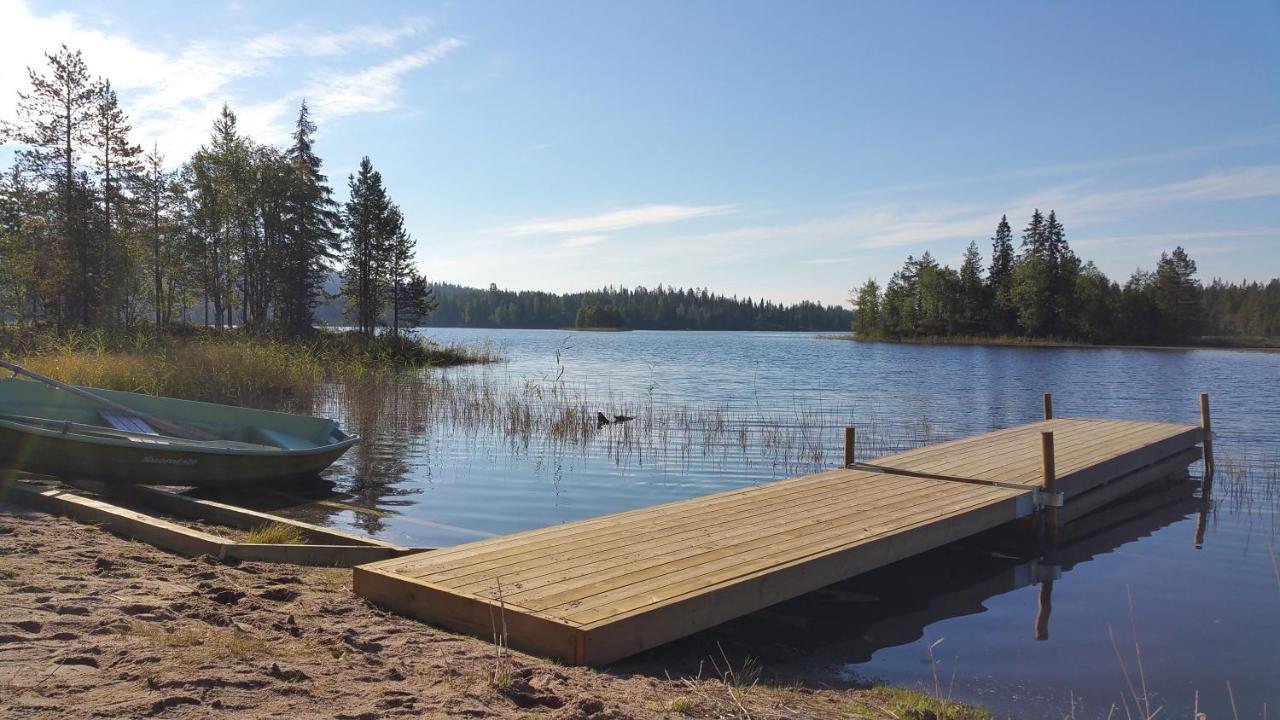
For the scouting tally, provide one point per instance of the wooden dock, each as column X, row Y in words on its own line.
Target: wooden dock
column 597, row 590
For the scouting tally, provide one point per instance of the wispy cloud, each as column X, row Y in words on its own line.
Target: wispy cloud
column 174, row 95
column 619, row 219
column 373, row 89
column 583, row 241
column 1268, row 136
column 874, row 228
column 1168, row 239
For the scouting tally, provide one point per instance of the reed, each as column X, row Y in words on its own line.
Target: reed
column 231, row 366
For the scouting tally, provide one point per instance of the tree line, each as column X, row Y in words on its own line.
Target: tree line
column 1043, row 289
column 640, row 308
column 95, row 232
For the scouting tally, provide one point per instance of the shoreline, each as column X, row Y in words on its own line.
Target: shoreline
column 119, row 628
column 1017, row 342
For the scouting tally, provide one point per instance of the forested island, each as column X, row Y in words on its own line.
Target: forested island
column 1044, row 291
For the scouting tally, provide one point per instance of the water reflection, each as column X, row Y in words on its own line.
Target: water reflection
column 824, row 635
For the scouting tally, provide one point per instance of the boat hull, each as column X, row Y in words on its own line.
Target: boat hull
column 50, row 432
column 72, row 457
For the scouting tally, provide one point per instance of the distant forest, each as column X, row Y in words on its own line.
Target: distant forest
column 1043, row 290
column 660, row 308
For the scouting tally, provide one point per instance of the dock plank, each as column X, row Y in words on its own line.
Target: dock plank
column 592, row 591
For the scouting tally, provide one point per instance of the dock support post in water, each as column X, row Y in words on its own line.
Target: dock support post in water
column 1207, row 429
column 848, row 447
column 1048, row 406
column 1043, row 608
column 1206, row 485
column 1048, row 466
column 1050, row 486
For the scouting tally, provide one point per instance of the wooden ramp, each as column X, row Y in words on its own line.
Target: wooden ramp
column 597, row 590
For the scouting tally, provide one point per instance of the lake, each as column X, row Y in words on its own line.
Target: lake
column 465, row 453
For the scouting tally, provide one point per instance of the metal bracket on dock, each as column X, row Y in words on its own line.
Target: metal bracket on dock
column 1042, row 571
column 1044, row 499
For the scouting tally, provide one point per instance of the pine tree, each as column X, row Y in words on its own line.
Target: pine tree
column 155, row 189
column 1177, row 296
column 54, row 123
column 116, row 162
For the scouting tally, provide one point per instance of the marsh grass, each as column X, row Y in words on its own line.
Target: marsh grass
column 276, row 534
column 227, row 366
column 553, row 418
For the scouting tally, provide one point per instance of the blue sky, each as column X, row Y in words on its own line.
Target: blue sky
column 784, row 150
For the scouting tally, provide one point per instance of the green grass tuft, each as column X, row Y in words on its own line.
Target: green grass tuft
column 276, row 534
column 915, row 705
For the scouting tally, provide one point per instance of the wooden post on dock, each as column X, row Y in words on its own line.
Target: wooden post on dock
column 1207, row 429
column 1048, row 406
column 1050, row 485
column 848, row 446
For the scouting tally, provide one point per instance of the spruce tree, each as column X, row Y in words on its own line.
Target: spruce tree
column 1000, row 278
column 1053, row 253
column 311, row 230
column 411, row 298
column 973, row 293
column 364, row 271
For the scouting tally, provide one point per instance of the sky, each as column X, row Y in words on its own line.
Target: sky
column 787, row 150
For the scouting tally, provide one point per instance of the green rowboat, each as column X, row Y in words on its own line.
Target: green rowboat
column 51, row 432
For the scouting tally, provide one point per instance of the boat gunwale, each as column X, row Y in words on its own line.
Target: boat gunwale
column 180, row 445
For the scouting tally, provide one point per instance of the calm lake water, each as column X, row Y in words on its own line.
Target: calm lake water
column 467, row 453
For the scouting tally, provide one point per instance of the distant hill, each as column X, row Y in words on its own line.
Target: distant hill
column 661, row 308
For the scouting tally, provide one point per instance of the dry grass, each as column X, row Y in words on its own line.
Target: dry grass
column 228, row 366
column 276, row 534
column 213, row 640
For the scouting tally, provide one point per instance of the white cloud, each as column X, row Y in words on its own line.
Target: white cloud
column 1169, row 239
column 173, row 95
column 874, row 229
column 619, row 219
column 372, row 89
column 583, row 241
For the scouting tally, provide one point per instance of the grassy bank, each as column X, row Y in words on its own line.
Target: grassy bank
column 227, row 366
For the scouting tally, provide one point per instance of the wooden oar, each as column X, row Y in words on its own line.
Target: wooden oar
column 167, row 427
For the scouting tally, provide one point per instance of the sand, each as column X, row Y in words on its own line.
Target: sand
column 93, row 625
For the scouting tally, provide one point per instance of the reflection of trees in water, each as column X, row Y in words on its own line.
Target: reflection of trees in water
column 393, row 427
